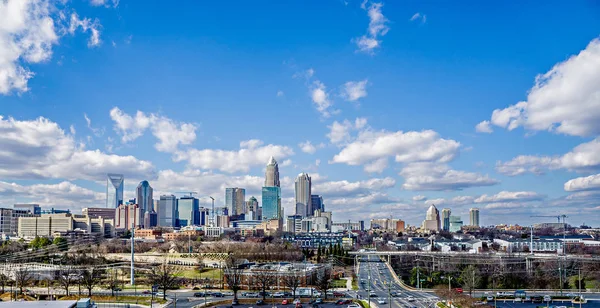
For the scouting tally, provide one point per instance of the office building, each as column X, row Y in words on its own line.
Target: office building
column 432, row 219
column 348, row 226
column 271, row 203
column 293, row 223
column 167, row 215
column 316, row 202
column 6, row 217
column 474, row 217
column 96, row 212
column 446, row 219
column 128, row 216
column 456, row 224
column 223, row 221
column 114, row 190
column 144, row 197
column 272, row 173
column 150, row 219
column 188, row 209
column 303, row 195
column 252, row 209
column 49, row 225
column 235, row 200
column 32, row 208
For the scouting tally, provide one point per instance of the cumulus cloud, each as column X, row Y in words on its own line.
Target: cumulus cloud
column 105, row 3
column 251, row 153
column 345, row 188
column 64, row 194
column 582, row 158
column 339, row 132
column 377, row 166
column 418, row 16
column 427, row 176
column 419, row 198
column 484, row 127
column 565, row 100
column 307, row 147
column 39, row 148
column 354, row 90
column 320, row 98
column 591, row 182
column 86, row 25
column 510, row 196
column 377, row 28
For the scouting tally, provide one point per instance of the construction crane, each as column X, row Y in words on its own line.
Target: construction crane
column 191, row 193
column 558, row 217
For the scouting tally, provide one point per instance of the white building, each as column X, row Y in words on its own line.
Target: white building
column 432, row 219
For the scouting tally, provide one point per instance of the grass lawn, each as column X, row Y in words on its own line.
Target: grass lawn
column 143, row 300
column 338, row 283
column 211, row 273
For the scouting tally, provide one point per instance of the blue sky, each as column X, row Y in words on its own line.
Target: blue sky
column 404, row 103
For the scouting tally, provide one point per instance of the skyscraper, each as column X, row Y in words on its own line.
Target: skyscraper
column 316, row 202
column 235, row 200
column 188, row 211
column 144, row 197
column 432, row 219
column 446, row 219
column 474, row 217
column 271, row 203
column 303, row 197
column 272, row 173
column 252, row 209
column 114, row 190
column 167, row 207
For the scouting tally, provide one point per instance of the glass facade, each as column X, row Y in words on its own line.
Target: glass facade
column 144, row 197
column 167, row 211
column 114, row 190
column 235, row 200
column 271, row 203
column 188, row 209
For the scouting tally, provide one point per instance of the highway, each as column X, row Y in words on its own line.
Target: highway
column 376, row 277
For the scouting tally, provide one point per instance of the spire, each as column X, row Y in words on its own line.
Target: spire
column 272, row 161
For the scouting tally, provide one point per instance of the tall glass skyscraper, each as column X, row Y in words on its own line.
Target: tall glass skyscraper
column 167, row 211
column 144, row 197
column 474, row 217
column 188, row 209
column 235, row 200
column 446, row 219
column 114, row 190
column 272, row 173
column 271, row 203
column 303, row 199
column 317, row 203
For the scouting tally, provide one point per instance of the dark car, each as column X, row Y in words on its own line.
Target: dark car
column 266, row 294
column 218, row 294
column 260, row 302
column 200, row 294
column 343, row 302
column 316, row 301
column 117, row 289
column 537, row 299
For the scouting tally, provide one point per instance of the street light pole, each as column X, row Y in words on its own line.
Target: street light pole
column 212, row 223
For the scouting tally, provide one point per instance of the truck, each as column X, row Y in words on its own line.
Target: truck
column 86, row 303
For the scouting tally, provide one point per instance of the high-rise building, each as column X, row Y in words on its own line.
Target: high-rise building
column 446, row 219
column 150, row 219
column 303, row 196
column 235, row 200
column 95, row 212
column 167, row 215
column 455, row 224
column 316, row 202
column 114, row 190
column 272, row 173
column 252, row 209
column 32, row 208
column 127, row 216
column 204, row 216
column 432, row 219
column 271, row 203
column 188, row 209
column 474, row 217
column 144, row 197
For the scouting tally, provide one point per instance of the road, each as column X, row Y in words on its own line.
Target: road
column 376, row 277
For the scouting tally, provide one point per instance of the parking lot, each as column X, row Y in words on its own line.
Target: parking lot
column 269, row 305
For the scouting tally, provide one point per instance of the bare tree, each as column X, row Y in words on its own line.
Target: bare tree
column 164, row 276
column 323, row 281
column 233, row 278
column 111, row 281
column 90, row 278
column 292, row 280
column 4, row 281
column 67, row 276
column 23, row 277
column 263, row 279
column 470, row 278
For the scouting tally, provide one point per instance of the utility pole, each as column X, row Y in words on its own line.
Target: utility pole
column 580, row 299
column 212, row 224
column 190, row 242
column 132, row 253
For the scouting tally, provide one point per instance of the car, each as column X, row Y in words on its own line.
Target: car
column 117, row 289
column 381, row 301
column 278, row 294
column 489, row 298
column 527, row 298
column 218, row 294
column 260, row 302
column 547, row 298
column 228, row 293
column 160, row 294
column 537, row 299
column 285, row 302
column 372, row 294
column 146, row 292
column 396, row 294
column 252, row 294
column 316, row 301
column 343, row 302
column 353, row 306
column 296, row 301
column 200, row 294
column 410, row 299
column 338, row 294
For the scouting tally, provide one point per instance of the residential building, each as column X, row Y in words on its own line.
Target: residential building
column 188, row 209
column 272, row 173
column 387, row 224
column 271, row 203
column 535, row 245
column 167, row 215
column 96, row 212
column 114, row 190
column 31, row 207
column 235, row 200
column 446, row 219
column 474, row 217
column 456, row 224
column 432, row 219
column 144, row 198
column 316, row 202
column 127, row 216
column 303, row 195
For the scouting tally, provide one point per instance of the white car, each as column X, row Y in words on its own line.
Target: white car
column 490, row 298
column 381, row 301
column 278, row 294
column 160, row 294
column 410, row 299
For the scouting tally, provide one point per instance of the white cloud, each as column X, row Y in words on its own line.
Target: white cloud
column 64, row 194
column 565, row 100
column 251, row 153
column 307, row 74
column 510, row 196
column 455, row 201
column 339, row 132
column 377, row 166
column 307, row 147
column 106, row 3
column 377, row 28
column 591, row 182
column 72, row 129
column 287, row 162
column 96, row 131
column 439, row 177
column 583, row 158
column 354, row 90
column 320, row 98
column 346, row 189
column 419, row 198
column 27, row 34
column 41, row 149
column 484, row 127
column 169, row 133
column 86, row 24
column 418, row 16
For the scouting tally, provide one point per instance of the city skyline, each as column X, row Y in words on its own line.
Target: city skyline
column 432, row 111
